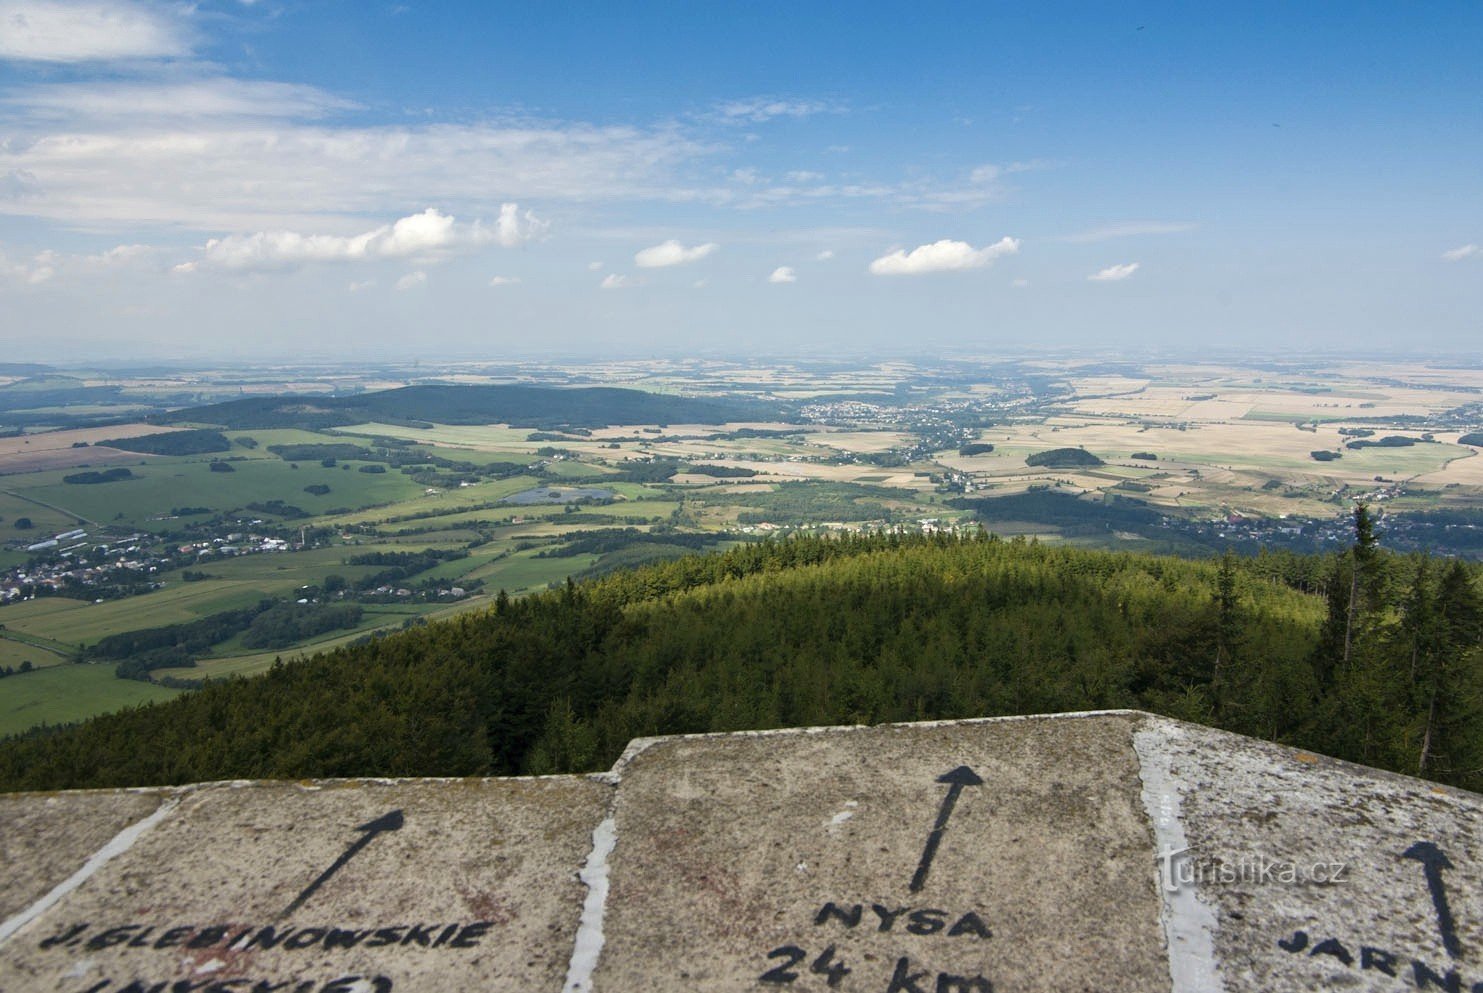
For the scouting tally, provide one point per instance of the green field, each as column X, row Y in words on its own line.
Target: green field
column 387, row 618
column 63, row 694
column 167, row 484
column 16, row 649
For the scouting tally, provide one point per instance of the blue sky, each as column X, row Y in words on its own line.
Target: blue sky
column 273, row 179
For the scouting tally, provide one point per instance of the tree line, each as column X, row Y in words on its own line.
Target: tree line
column 1365, row 655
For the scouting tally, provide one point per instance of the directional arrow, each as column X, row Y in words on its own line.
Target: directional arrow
column 1433, row 861
column 957, row 779
column 391, row 821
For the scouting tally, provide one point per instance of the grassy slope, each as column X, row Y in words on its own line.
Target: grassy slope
column 64, row 694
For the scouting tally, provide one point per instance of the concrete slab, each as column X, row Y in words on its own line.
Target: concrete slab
column 1114, row 851
column 967, row 857
column 46, row 837
column 1306, row 873
column 328, row 888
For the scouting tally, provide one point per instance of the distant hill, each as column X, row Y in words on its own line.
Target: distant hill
column 518, row 405
column 818, row 631
column 47, row 390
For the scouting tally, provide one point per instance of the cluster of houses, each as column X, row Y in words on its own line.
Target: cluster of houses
column 73, row 559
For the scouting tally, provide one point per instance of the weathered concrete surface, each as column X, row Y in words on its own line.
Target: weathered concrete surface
column 742, row 860
column 45, row 838
column 1268, row 831
column 1113, row 851
column 447, row 885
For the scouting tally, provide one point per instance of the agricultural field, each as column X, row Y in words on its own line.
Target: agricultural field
column 405, row 518
column 64, row 694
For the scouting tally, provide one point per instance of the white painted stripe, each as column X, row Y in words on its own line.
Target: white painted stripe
column 116, row 846
column 1189, row 923
column 587, row 948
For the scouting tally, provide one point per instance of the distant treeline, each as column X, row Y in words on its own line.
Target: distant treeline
column 189, row 442
column 1063, row 457
column 1389, row 441
column 605, row 540
column 524, row 406
column 1071, row 515
column 267, row 625
column 103, row 476
column 401, row 566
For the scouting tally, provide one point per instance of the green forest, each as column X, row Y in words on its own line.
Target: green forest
column 1365, row 655
column 516, row 404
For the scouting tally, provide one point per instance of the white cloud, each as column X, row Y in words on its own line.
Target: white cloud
column 783, row 274
column 1461, row 252
column 1128, row 230
column 755, row 110
column 1114, row 273
column 1019, row 284
column 220, row 98
column 48, row 31
column 356, row 286
column 412, row 281
column 238, row 162
column 825, row 255
column 515, row 228
column 504, row 280
column 430, row 234
column 48, row 264
column 613, row 281
column 594, row 266
column 672, row 253
column 942, row 256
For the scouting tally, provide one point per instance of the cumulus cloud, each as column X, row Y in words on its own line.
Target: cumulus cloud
column 672, row 253
column 48, row 31
column 504, row 280
column 1461, row 252
column 613, row 281
column 412, row 280
column 783, row 274
column 942, row 256
column 825, row 255
column 1114, row 273
column 430, row 234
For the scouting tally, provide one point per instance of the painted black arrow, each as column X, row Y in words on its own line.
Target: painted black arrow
column 391, row 821
column 957, row 779
column 1433, row 860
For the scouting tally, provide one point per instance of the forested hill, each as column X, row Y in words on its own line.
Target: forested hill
column 519, row 405
column 1385, row 670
